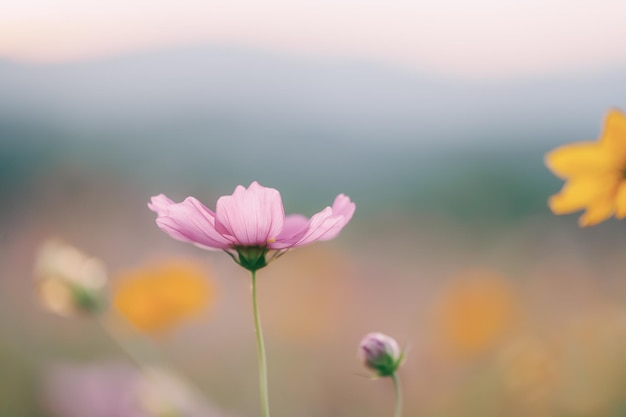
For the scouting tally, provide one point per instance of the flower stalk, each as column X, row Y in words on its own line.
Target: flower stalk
column 265, row 407
column 398, row 391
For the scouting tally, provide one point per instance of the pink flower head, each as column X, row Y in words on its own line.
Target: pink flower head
column 249, row 223
column 380, row 353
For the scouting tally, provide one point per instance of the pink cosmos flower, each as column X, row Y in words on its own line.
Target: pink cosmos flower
column 118, row 390
column 249, row 223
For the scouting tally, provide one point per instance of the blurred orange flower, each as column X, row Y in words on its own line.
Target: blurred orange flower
column 595, row 174
column 158, row 297
column 475, row 312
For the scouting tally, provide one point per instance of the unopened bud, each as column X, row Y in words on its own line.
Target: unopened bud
column 69, row 281
column 380, row 353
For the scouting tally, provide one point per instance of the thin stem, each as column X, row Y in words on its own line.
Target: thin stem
column 136, row 353
column 398, row 389
column 265, row 406
column 142, row 354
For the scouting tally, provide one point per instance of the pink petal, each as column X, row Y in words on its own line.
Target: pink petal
column 250, row 217
column 294, row 227
column 160, row 204
column 324, row 225
column 342, row 206
column 189, row 221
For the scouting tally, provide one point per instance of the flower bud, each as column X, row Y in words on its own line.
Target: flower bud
column 69, row 281
column 380, row 353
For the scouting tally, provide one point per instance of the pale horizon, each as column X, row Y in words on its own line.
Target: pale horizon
column 484, row 39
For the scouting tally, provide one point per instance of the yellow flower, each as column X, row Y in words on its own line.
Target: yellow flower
column 595, row 174
column 158, row 297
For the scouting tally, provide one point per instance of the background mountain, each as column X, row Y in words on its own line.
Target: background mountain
column 233, row 114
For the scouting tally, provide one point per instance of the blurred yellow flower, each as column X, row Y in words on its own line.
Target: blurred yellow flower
column 595, row 174
column 474, row 313
column 70, row 282
column 156, row 298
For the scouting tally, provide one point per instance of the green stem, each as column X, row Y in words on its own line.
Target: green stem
column 265, row 406
column 398, row 390
column 141, row 353
column 138, row 354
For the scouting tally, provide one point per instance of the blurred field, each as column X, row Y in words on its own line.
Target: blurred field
column 506, row 310
column 524, row 319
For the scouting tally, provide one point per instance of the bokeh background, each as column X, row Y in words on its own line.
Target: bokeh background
column 432, row 116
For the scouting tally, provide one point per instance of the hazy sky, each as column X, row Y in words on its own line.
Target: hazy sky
column 480, row 38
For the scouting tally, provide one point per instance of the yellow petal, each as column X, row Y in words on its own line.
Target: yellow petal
column 583, row 158
column 614, row 135
column 597, row 212
column 583, row 191
column 620, row 201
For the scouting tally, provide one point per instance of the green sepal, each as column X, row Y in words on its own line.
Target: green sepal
column 389, row 365
column 252, row 257
column 87, row 301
